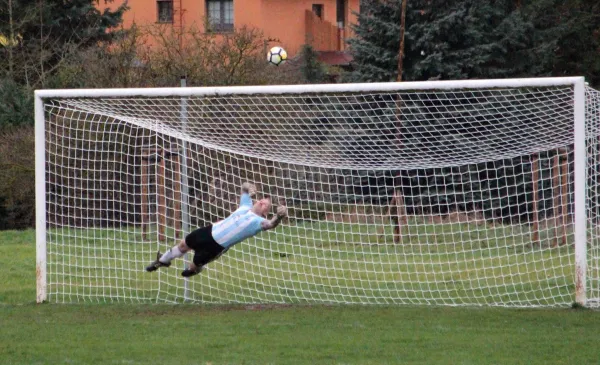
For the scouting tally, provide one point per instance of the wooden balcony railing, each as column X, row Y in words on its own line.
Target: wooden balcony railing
column 323, row 35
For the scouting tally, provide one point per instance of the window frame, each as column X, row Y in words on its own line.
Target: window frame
column 158, row 13
column 221, row 27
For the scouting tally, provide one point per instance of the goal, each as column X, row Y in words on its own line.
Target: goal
column 477, row 192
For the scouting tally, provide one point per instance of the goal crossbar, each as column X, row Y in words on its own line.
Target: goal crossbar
column 316, row 88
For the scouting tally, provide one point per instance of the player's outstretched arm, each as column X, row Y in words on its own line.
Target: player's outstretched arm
column 248, row 192
column 274, row 222
column 249, row 189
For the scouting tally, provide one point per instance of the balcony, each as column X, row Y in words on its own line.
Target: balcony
column 323, row 35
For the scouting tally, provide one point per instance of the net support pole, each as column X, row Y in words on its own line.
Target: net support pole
column 40, row 201
column 580, row 226
column 185, row 214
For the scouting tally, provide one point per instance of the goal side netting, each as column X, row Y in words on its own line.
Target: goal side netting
column 464, row 193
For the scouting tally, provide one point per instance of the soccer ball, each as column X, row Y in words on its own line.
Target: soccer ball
column 277, row 56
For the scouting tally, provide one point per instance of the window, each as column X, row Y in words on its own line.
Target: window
column 220, row 15
column 318, row 10
column 341, row 12
column 165, row 11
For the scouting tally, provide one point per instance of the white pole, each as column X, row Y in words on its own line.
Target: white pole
column 312, row 88
column 185, row 213
column 580, row 194
column 40, row 201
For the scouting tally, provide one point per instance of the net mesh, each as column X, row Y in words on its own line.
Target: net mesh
column 593, row 195
column 455, row 197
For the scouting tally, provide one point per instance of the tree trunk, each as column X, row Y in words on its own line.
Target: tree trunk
column 11, row 38
column 41, row 55
column 400, row 218
column 401, row 51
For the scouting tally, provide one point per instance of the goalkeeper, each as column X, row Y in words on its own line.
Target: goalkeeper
column 212, row 241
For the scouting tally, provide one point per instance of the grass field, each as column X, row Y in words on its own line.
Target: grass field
column 453, row 264
column 297, row 334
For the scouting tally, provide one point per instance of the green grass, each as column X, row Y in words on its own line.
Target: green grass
column 452, row 264
column 120, row 333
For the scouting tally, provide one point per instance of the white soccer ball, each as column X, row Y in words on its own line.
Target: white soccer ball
column 277, row 56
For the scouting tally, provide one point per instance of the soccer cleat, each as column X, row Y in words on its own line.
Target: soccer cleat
column 187, row 272
column 156, row 264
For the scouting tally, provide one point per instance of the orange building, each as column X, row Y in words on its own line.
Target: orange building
column 291, row 23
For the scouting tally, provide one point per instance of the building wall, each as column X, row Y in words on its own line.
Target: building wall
column 283, row 21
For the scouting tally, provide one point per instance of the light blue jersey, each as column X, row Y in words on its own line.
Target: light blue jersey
column 241, row 224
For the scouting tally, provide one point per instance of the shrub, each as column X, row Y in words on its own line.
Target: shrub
column 16, row 104
column 17, row 177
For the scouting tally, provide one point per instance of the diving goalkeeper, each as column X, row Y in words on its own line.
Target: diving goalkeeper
column 212, row 241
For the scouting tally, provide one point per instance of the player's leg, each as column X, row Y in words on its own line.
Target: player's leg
column 192, row 270
column 177, row 251
column 164, row 260
column 201, row 259
column 206, row 250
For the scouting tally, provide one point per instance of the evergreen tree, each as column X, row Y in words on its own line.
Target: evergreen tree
column 467, row 39
column 444, row 40
column 567, row 37
column 312, row 69
column 376, row 41
column 49, row 31
column 478, row 39
column 458, row 40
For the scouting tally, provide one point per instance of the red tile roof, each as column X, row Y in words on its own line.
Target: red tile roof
column 335, row 58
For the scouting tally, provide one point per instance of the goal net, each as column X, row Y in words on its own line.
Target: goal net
column 446, row 193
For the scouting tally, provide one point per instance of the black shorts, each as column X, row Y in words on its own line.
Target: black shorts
column 206, row 249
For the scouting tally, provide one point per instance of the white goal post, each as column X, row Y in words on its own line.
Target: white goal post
column 474, row 192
